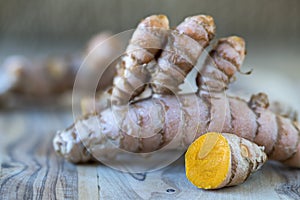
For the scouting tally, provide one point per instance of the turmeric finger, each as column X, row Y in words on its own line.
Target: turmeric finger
column 223, row 61
column 146, row 42
column 184, row 47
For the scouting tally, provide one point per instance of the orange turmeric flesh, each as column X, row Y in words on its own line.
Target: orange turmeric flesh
column 211, row 171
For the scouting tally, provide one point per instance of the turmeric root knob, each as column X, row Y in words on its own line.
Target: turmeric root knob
column 227, row 160
column 145, row 44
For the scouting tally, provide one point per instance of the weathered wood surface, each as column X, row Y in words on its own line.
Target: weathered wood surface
column 31, row 170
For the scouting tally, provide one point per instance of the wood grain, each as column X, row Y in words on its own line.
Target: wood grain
column 31, row 170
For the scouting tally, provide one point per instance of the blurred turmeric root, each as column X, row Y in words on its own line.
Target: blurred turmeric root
column 48, row 77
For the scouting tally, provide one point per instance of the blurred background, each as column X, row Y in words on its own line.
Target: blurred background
column 271, row 29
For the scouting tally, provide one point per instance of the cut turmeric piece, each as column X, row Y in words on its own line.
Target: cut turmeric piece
column 228, row 160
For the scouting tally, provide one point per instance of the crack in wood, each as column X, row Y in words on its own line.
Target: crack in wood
column 138, row 176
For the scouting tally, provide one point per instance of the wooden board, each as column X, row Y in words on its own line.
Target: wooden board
column 31, row 170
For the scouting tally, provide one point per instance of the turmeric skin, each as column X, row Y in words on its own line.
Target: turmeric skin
column 133, row 69
column 184, row 46
column 188, row 116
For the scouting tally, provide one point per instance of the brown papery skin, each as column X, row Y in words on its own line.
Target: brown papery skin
column 147, row 41
column 242, row 166
column 278, row 135
column 183, row 49
column 221, row 64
